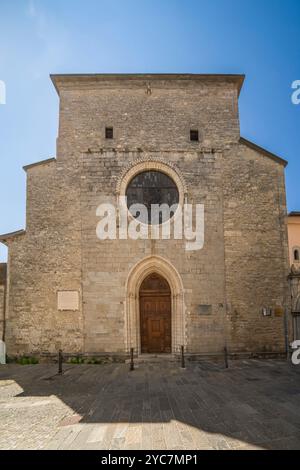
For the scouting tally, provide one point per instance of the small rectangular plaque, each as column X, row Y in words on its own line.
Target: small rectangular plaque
column 204, row 309
column 278, row 311
column 68, row 300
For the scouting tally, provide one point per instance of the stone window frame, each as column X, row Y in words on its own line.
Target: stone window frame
column 152, row 165
column 174, row 185
column 109, row 132
column 294, row 250
column 194, row 134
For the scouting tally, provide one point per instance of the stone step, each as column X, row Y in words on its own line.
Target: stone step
column 154, row 358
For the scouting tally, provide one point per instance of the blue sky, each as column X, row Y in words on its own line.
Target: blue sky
column 260, row 38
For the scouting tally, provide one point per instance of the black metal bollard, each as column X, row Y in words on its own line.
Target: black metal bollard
column 131, row 359
column 226, row 357
column 182, row 358
column 60, row 361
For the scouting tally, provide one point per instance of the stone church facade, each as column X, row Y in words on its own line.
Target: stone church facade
column 67, row 289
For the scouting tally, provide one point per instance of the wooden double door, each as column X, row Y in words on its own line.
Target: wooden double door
column 155, row 315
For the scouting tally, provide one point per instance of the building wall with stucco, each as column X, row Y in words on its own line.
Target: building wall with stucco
column 294, row 277
column 294, row 238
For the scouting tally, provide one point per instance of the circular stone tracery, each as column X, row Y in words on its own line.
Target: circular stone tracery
column 152, row 188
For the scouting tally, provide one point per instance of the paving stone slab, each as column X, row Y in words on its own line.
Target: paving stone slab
column 252, row 405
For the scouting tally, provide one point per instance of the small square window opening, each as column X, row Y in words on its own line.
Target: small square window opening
column 194, row 135
column 109, row 132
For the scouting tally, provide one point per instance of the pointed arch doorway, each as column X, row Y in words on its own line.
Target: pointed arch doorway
column 155, row 315
column 153, row 264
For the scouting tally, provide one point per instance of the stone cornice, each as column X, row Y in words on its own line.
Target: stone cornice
column 10, row 236
column 42, row 162
column 263, row 151
column 89, row 80
column 139, row 150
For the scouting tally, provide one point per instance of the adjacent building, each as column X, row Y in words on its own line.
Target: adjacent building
column 294, row 251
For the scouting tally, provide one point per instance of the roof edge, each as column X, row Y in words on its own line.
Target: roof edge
column 55, row 78
column 265, row 152
column 41, row 162
column 6, row 236
column 294, row 214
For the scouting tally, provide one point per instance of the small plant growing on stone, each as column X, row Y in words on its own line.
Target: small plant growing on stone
column 27, row 360
column 76, row 360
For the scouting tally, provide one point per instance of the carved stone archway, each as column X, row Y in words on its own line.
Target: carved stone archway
column 148, row 165
column 297, row 309
column 161, row 266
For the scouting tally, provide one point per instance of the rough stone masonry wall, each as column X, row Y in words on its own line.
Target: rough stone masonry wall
column 106, row 264
column 152, row 127
column 159, row 121
column 41, row 262
column 60, row 250
column 256, row 250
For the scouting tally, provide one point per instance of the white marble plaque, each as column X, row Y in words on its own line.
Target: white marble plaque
column 67, row 300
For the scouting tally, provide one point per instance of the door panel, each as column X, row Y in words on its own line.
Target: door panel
column 155, row 323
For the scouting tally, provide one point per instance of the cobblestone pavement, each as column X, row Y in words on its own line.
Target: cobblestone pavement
column 252, row 405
